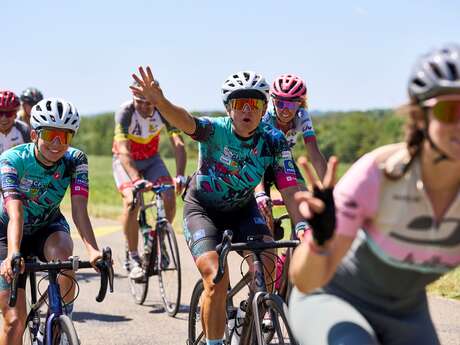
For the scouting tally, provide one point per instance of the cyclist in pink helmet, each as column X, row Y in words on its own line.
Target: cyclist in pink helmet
column 288, row 113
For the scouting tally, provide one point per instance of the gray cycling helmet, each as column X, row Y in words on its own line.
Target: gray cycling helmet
column 436, row 73
column 245, row 84
column 31, row 96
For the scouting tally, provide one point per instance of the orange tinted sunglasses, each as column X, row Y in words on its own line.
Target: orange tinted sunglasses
column 247, row 104
column 49, row 135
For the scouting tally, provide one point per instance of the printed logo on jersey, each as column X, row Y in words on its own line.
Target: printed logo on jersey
column 8, row 170
column 286, row 154
column 289, row 167
column 82, row 168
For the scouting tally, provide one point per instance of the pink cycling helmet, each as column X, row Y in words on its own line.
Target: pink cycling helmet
column 288, row 86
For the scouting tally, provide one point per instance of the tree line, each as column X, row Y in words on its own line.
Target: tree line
column 347, row 135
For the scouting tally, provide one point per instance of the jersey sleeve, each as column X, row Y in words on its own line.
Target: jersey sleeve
column 305, row 125
column 284, row 166
column 122, row 121
column 24, row 129
column 170, row 129
column 205, row 129
column 10, row 170
column 356, row 196
column 79, row 182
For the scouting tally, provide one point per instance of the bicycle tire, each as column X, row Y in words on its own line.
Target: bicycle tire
column 63, row 326
column 169, row 269
column 195, row 330
column 279, row 332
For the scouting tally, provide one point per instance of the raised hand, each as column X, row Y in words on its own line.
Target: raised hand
column 319, row 207
column 148, row 88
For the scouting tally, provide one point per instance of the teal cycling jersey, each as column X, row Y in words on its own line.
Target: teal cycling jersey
column 301, row 124
column 39, row 187
column 230, row 167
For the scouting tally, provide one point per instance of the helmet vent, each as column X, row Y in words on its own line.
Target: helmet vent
column 246, row 75
column 418, row 82
column 38, row 108
column 436, row 70
column 48, row 105
column 43, row 118
column 67, row 120
column 453, row 71
column 60, row 109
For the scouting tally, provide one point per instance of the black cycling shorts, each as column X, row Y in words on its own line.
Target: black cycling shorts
column 32, row 245
column 203, row 228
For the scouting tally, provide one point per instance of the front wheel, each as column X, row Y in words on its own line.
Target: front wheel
column 169, row 270
column 274, row 327
column 63, row 330
column 195, row 330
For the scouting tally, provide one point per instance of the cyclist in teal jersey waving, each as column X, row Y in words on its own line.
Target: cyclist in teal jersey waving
column 398, row 226
column 234, row 151
column 34, row 179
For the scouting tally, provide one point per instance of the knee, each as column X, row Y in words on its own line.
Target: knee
column 211, row 289
column 13, row 325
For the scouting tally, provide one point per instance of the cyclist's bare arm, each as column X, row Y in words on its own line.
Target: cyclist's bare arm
column 15, row 223
column 175, row 115
column 291, row 204
column 83, row 224
column 309, row 271
column 126, row 161
column 260, row 187
column 316, row 158
column 179, row 153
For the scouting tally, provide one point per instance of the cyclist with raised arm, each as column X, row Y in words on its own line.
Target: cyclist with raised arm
column 234, row 153
column 12, row 131
column 34, row 179
column 288, row 112
column 136, row 159
column 398, row 226
column 29, row 97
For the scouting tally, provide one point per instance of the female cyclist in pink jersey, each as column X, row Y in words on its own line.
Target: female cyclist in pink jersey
column 397, row 226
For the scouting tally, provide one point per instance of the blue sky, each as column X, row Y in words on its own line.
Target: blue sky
column 353, row 54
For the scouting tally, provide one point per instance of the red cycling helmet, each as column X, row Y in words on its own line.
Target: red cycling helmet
column 288, row 86
column 9, row 101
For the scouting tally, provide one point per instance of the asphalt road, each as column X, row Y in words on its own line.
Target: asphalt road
column 119, row 321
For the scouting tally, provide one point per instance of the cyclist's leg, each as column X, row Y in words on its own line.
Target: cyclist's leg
column 13, row 319
column 128, row 217
column 54, row 243
column 324, row 319
column 157, row 173
column 250, row 222
column 202, row 236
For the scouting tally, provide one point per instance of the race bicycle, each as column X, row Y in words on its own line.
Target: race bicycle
column 161, row 251
column 259, row 302
column 54, row 327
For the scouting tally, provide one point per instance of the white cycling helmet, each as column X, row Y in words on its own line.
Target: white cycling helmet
column 55, row 113
column 245, row 83
column 436, row 73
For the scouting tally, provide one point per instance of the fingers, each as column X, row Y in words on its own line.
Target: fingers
column 150, row 74
column 308, row 204
column 139, row 80
column 312, row 180
column 331, row 173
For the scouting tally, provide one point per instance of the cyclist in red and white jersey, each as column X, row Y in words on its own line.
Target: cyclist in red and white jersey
column 12, row 131
column 398, row 226
column 136, row 159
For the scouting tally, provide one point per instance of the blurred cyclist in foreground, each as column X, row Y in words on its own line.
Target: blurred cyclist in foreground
column 398, row 222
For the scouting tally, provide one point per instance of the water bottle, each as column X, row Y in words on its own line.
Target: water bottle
column 40, row 334
column 239, row 320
